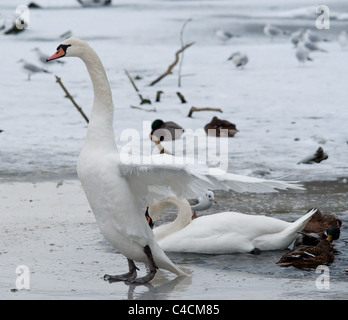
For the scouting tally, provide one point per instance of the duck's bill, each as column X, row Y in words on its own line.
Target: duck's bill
column 59, row 54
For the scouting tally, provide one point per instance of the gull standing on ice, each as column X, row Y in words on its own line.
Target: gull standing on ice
column 240, row 59
column 312, row 37
column 202, row 202
column 224, row 35
column 302, row 53
column 343, row 41
column 296, row 37
column 43, row 57
column 312, row 46
column 273, row 31
column 30, row 68
column 116, row 186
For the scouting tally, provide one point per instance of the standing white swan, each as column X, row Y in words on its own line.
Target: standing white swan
column 115, row 190
column 224, row 232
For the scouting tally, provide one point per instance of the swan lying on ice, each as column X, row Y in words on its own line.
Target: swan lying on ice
column 224, row 232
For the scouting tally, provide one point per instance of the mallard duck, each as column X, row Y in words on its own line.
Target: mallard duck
column 321, row 222
column 213, row 128
column 308, row 256
column 312, row 238
column 166, row 131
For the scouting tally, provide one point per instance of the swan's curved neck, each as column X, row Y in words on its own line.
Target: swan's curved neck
column 183, row 218
column 100, row 127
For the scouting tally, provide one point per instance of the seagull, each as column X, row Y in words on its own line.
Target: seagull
column 240, row 59
column 302, row 53
column 202, row 202
column 30, row 68
column 273, row 31
column 43, row 57
column 66, row 35
column 312, row 46
column 224, row 35
column 343, row 41
column 312, row 37
column 296, row 37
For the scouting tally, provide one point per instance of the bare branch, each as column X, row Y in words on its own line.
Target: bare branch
column 181, row 97
column 147, row 110
column 142, row 100
column 182, row 45
column 67, row 94
column 170, row 68
column 194, row 109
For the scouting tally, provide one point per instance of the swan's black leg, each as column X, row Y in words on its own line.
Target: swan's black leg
column 151, row 273
column 129, row 276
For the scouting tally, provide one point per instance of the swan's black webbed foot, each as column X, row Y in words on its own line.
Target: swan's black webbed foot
column 151, row 274
column 255, row 251
column 129, row 276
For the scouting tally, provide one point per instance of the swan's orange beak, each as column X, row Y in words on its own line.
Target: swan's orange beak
column 60, row 53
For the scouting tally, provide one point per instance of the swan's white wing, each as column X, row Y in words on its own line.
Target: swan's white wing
column 160, row 175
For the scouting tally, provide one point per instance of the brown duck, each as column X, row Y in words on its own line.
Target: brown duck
column 313, row 238
column 308, row 256
column 321, row 222
column 215, row 125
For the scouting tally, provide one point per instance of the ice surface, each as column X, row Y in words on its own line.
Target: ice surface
column 283, row 111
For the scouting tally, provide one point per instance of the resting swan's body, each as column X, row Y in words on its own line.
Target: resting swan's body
column 115, row 190
column 224, row 232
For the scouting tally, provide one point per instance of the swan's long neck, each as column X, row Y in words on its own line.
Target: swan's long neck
column 183, row 218
column 100, row 127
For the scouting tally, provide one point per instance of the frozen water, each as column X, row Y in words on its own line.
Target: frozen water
column 283, row 111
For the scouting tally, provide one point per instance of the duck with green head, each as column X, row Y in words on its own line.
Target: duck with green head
column 312, row 238
column 166, row 131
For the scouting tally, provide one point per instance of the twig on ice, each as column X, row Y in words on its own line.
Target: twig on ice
column 182, row 45
column 170, row 68
column 193, row 109
column 68, row 95
column 142, row 100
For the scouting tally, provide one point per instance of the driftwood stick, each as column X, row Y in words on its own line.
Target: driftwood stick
column 170, row 68
column 131, row 81
column 181, row 97
column 193, row 109
column 68, row 95
column 142, row 100
column 158, row 95
column 182, row 45
column 147, row 110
